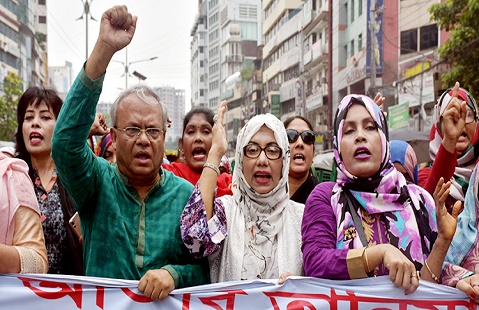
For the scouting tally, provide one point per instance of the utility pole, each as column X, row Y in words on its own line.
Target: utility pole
column 372, row 47
column 420, row 94
column 126, row 65
column 86, row 12
column 302, row 103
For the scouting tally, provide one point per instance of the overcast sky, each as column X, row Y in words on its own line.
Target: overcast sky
column 163, row 31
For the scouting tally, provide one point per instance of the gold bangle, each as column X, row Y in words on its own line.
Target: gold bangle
column 211, row 166
column 434, row 277
column 365, row 258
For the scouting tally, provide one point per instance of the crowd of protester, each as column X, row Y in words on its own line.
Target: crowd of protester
column 193, row 221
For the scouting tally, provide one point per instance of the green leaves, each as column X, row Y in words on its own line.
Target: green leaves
column 12, row 90
column 461, row 50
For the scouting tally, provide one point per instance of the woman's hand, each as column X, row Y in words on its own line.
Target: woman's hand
column 402, row 271
column 379, row 100
column 219, row 144
column 284, row 276
column 446, row 223
column 470, row 286
column 453, row 120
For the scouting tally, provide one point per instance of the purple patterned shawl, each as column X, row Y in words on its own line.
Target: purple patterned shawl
column 407, row 209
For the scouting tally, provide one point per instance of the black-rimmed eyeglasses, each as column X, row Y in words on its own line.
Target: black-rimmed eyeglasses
column 308, row 136
column 253, row 151
column 132, row 133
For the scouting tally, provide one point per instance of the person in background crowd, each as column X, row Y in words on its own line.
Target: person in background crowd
column 371, row 221
column 404, row 159
column 105, row 148
column 461, row 268
column 22, row 245
column 453, row 142
column 301, row 139
column 256, row 232
column 132, row 207
column 225, row 165
column 37, row 113
column 194, row 146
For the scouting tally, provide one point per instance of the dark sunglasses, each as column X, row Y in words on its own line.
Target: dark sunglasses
column 308, row 136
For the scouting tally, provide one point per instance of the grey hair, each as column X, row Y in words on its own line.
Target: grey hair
column 143, row 92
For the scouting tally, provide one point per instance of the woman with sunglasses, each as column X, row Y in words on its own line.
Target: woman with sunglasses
column 453, row 142
column 256, row 233
column 301, row 139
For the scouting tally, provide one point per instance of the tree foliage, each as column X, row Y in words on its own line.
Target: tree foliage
column 461, row 51
column 247, row 70
column 12, row 90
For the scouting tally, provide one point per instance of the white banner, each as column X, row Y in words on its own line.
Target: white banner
column 51, row 292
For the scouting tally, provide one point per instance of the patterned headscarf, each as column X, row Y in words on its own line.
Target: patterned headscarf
column 467, row 225
column 262, row 211
column 465, row 161
column 103, row 145
column 404, row 154
column 407, row 209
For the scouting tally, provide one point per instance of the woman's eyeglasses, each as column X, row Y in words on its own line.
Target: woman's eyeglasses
column 253, row 151
column 470, row 116
column 308, row 136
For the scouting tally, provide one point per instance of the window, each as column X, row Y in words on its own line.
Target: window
column 360, row 42
column 360, row 7
column 42, row 19
column 352, row 48
column 201, row 63
column 429, row 37
column 352, row 11
column 408, row 41
column 42, row 2
column 201, row 49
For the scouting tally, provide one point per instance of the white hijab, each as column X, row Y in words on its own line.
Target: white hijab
column 264, row 214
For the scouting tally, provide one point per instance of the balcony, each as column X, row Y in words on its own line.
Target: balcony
column 234, row 58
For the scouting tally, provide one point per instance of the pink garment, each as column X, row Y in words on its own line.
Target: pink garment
column 16, row 189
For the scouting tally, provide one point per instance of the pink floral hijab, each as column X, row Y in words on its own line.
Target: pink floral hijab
column 407, row 209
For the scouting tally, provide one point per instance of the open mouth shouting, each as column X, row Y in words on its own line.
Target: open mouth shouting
column 199, row 154
column 298, row 158
column 262, row 177
column 35, row 138
column 143, row 157
column 362, row 153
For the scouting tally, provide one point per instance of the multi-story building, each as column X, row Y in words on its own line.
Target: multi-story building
column 199, row 60
column 418, row 82
column 61, row 78
column 23, row 39
column 314, row 76
column 282, row 56
column 355, row 51
column 174, row 101
column 226, row 37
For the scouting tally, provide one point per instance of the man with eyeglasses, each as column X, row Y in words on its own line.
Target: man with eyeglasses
column 129, row 210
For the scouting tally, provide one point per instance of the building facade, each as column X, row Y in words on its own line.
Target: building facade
column 174, row 101
column 23, row 40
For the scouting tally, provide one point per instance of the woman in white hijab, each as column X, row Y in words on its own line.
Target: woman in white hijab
column 256, row 233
